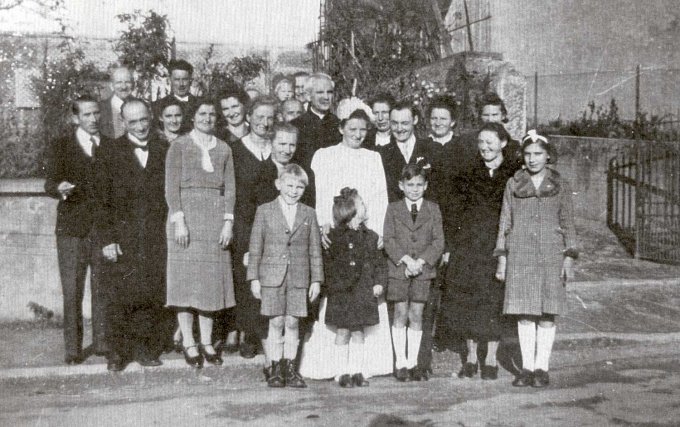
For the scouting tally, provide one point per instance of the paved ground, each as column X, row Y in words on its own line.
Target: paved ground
column 616, row 362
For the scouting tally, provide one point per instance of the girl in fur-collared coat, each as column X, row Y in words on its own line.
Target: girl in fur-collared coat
column 536, row 248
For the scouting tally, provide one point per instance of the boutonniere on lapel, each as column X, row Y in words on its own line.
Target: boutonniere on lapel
column 426, row 165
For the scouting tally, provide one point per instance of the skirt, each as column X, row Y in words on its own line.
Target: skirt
column 320, row 359
column 200, row 276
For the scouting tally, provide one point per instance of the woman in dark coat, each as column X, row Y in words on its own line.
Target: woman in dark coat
column 472, row 300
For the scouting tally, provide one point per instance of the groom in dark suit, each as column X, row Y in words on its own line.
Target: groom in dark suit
column 133, row 233
column 71, row 179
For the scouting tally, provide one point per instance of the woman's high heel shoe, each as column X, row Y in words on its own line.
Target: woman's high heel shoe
column 195, row 361
column 212, row 358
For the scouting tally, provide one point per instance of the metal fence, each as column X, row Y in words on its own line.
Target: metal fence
column 643, row 200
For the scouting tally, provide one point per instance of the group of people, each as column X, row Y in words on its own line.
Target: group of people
column 336, row 246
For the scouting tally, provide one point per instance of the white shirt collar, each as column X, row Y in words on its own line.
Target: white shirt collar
column 442, row 139
column 135, row 140
column 382, row 139
column 418, row 203
column 85, row 141
column 181, row 98
column 116, row 103
column 406, row 148
column 318, row 114
column 289, row 211
column 255, row 149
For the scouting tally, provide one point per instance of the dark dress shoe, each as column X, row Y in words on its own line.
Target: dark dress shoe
column 116, row 363
column 213, row 359
column 468, row 370
column 73, row 360
column 541, row 378
column 247, row 350
column 231, row 348
column 359, row 381
column 276, row 377
column 419, row 374
column 345, row 381
column 291, row 377
column 178, row 347
column 149, row 361
column 489, row 372
column 524, row 379
column 193, row 361
column 402, row 375
column 267, row 372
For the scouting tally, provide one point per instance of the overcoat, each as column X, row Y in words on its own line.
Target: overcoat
column 277, row 251
column 353, row 265
column 536, row 231
column 423, row 239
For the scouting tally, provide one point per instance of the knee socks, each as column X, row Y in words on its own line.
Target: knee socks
column 399, row 343
column 527, row 343
column 290, row 343
column 544, row 342
column 414, row 338
column 356, row 358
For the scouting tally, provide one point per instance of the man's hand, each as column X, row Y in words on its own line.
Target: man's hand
column 181, row 234
column 112, row 251
column 568, row 268
column 65, row 188
column 325, row 241
column 225, row 234
column 314, row 291
column 377, row 290
column 501, row 268
column 445, row 259
column 246, row 258
column 256, row 289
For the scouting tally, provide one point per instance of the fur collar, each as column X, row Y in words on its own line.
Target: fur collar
column 524, row 188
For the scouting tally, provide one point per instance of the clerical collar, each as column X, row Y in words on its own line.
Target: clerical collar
column 316, row 113
column 181, row 98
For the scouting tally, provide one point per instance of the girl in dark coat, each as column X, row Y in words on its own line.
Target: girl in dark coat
column 537, row 237
column 355, row 275
column 472, row 301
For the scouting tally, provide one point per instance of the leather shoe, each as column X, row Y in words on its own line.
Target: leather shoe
column 149, row 361
column 359, row 381
column 345, row 381
column 489, row 372
column 212, row 358
column 468, row 370
column 276, row 377
column 291, row 377
column 247, row 350
column 524, row 379
column 231, row 348
column 402, row 375
column 541, row 378
column 73, row 360
column 115, row 363
column 419, row 374
column 193, row 361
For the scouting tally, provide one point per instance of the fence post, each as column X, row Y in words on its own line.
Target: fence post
column 639, row 197
column 637, row 100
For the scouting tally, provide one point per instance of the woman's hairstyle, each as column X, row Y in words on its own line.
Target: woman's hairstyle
column 344, row 206
column 356, row 114
column 492, row 98
column 285, row 127
column 192, row 107
column 532, row 137
column 444, row 102
column 164, row 103
column 263, row 100
column 280, row 81
column 295, row 171
column 498, row 129
column 239, row 94
column 412, row 171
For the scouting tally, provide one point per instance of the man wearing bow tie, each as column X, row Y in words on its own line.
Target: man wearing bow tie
column 133, row 232
column 71, row 179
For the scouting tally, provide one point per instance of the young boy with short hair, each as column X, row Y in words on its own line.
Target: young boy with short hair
column 414, row 241
column 284, row 268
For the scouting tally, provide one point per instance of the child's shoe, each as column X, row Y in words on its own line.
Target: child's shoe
column 291, row 378
column 345, row 381
column 359, row 380
column 276, row 378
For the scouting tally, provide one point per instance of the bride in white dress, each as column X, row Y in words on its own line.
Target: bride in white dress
column 348, row 165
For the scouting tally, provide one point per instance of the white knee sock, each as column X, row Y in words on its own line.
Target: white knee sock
column 413, row 347
column 527, row 343
column 544, row 342
column 274, row 347
column 399, row 343
column 356, row 357
column 343, row 356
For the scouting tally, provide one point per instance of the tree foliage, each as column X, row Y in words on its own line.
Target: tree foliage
column 213, row 78
column 376, row 40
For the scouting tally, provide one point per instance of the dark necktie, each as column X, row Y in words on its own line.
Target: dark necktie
column 414, row 212
column 93, row 150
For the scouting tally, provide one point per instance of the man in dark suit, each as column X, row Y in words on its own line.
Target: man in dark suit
column 121, row 85
column 71, row 179
column 181, row 76
column 132, row 226
column 405, row 149
column 380, row 135
column 318, row 127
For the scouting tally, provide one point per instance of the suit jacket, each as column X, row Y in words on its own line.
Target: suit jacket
column 425, row 152
column 68, row 162
column 276, row 251
column 315, row 133
column 423, row 239
column 134, row 208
